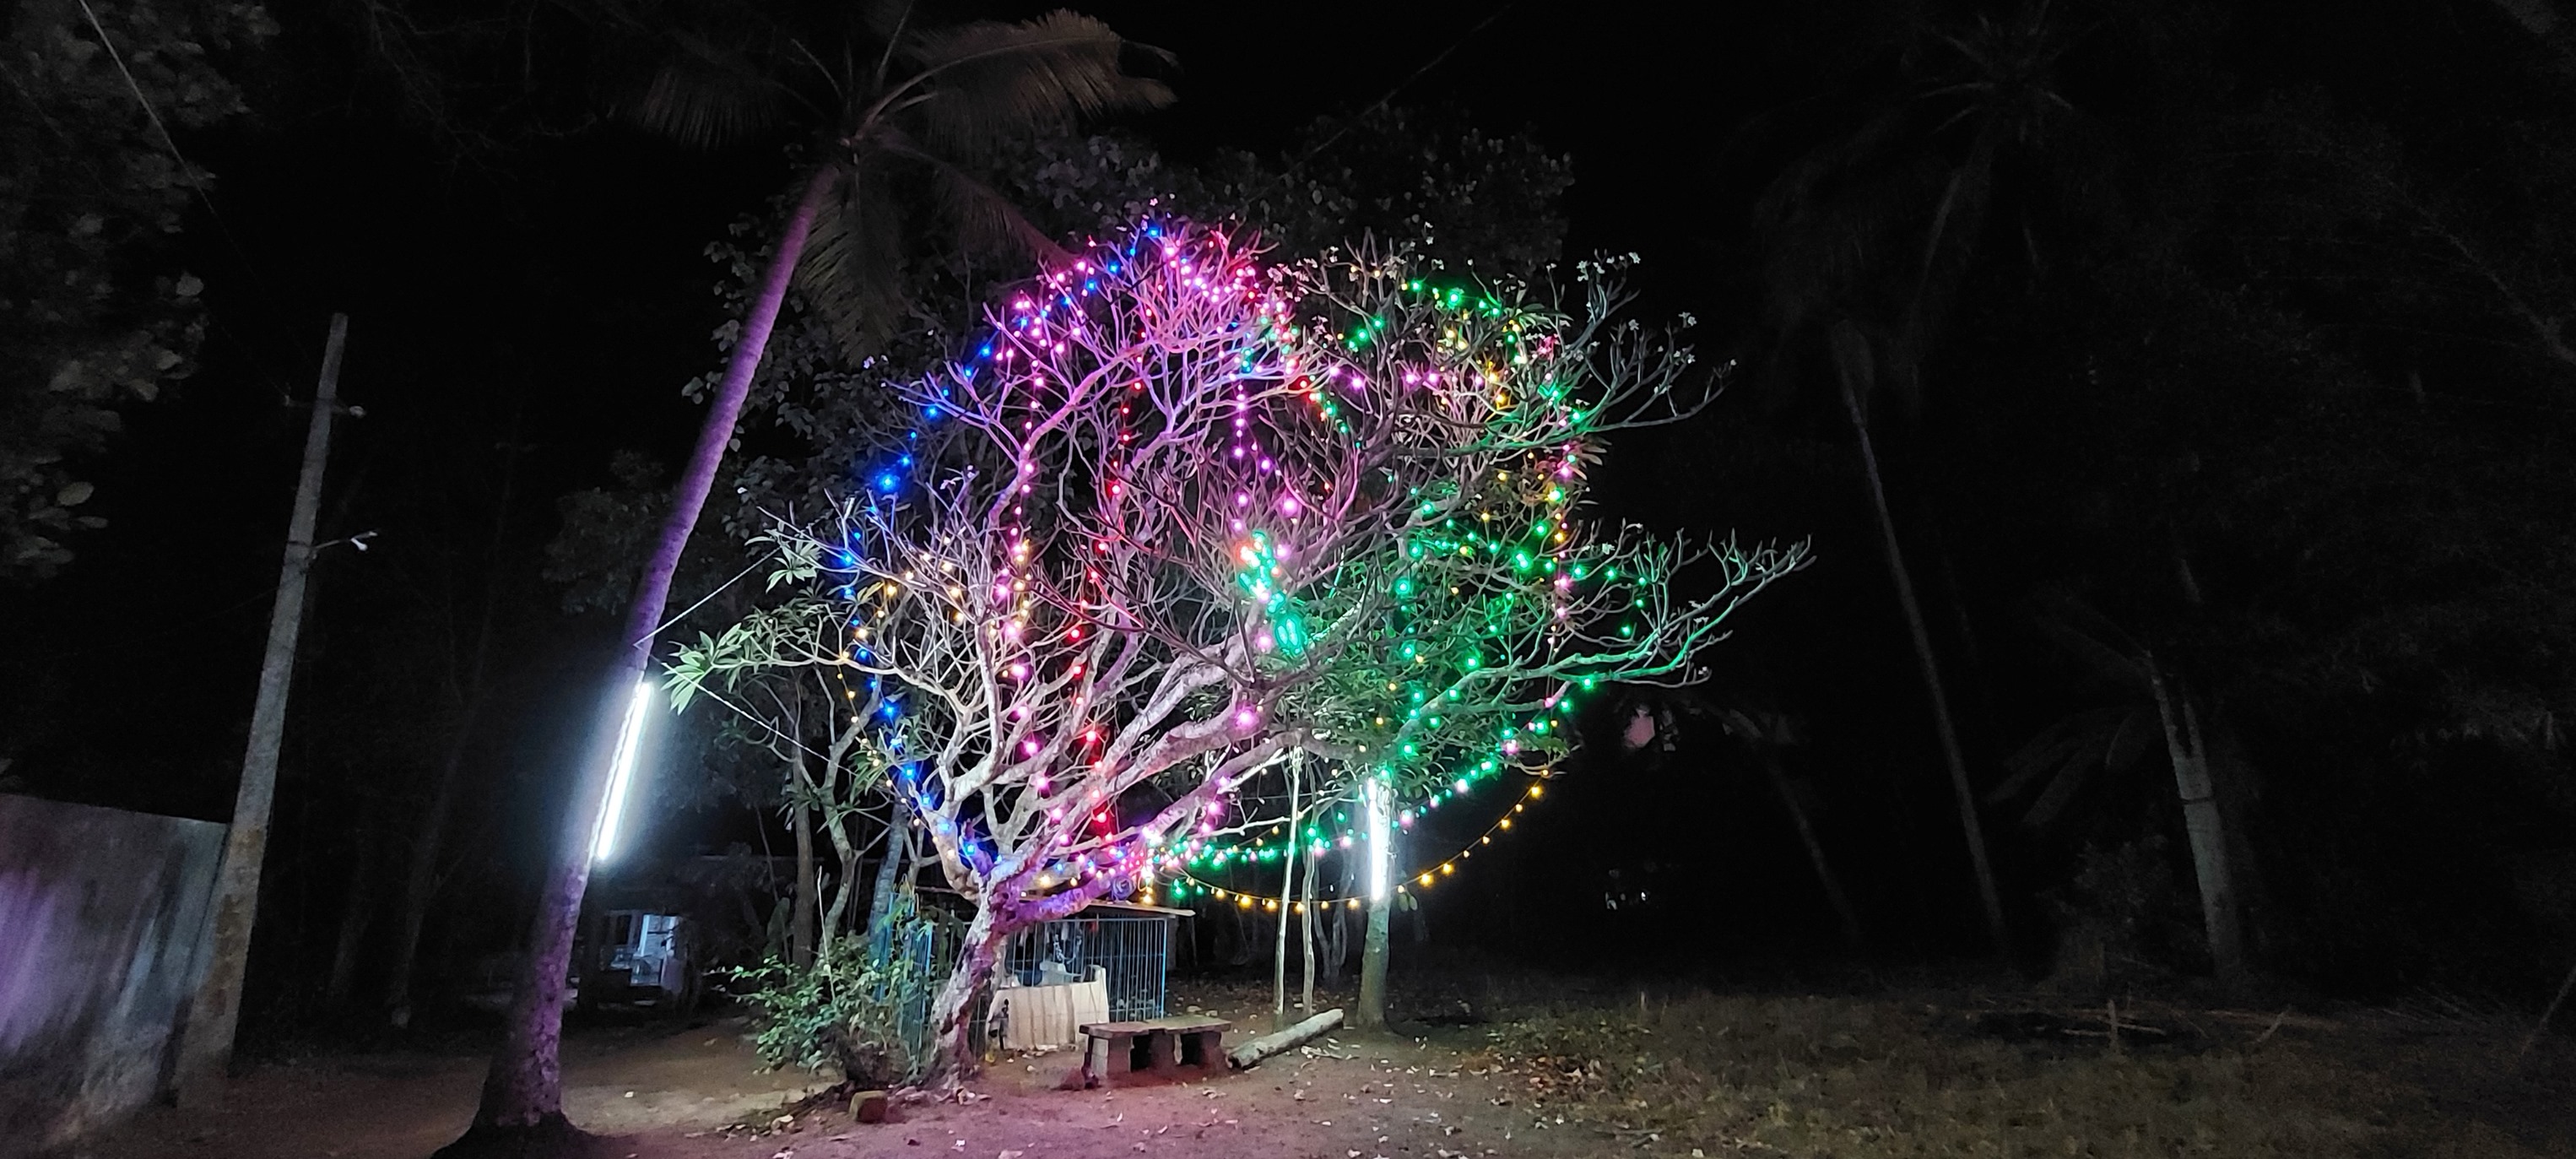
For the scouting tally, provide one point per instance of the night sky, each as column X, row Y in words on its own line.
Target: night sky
column 522, row 309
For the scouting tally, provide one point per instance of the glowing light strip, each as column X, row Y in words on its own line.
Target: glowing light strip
column 621, row 772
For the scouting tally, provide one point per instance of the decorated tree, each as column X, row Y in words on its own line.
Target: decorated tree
column 1496, row 606
column 1160, row 532
column 1036, row 584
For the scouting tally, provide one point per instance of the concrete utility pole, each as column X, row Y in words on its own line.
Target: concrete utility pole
column 206, row 1046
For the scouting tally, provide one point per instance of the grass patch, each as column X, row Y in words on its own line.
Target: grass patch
column 1721, row 1075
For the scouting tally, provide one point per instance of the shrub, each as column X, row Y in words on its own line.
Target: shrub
column 855, row 1010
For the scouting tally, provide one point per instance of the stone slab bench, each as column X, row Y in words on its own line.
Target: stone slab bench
column 1160, row 1046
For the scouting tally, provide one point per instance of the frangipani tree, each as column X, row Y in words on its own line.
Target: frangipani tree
column 1495, row 605
column 1040, row 585
column 1158, row 532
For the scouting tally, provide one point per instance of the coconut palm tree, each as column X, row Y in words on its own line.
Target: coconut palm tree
column 2148, row 701
column 1870, row 235
column 899, row 115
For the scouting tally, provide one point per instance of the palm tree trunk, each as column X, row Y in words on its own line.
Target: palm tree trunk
column 522, row 1103
column 2205, row 828
column 1815, row 851
column 1966, row 795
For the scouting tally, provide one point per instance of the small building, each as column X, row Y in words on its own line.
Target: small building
column 641, row 958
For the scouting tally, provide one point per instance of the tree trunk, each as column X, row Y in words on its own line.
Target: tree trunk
column 800, row 929
column 849, row 873
column 1287, row 891
column 354, row 909
column 1851, row 360
column 898, row 849
column 1307, row 1004
column 952, row 1018
column 1337, row 932
column 2203, row 825
column 1815, row 851
column 522, row 1103
column 800, row 815
column 206, row 1043
column 1370, row 1011
column 420, row 875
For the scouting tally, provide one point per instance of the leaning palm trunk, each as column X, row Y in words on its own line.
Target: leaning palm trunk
column 1851, row 359
column 1815, row 850
column 522, row 1102
column 2205, row 828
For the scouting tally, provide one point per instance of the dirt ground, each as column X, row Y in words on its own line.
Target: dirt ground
column 1548, row 1071
column 405, row 1105
column 672, row 1093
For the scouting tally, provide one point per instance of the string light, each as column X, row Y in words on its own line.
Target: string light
column 1479, row 619
column 1423, row 876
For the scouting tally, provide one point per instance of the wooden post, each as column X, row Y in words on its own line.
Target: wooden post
column 206, row 1045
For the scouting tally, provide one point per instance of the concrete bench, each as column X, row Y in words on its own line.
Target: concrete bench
column 1161, row 1046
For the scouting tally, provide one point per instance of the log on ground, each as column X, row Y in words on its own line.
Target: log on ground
column 1250, row 1054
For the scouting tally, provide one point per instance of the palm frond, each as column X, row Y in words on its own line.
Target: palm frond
column 2065, row 756
column 2091, row 637
column 987, row 222
column 989, row 81
column 703, row 94
column 852, row 271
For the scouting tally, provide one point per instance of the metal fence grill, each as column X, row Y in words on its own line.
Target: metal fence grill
column 928, row 951
column 1133, row 949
